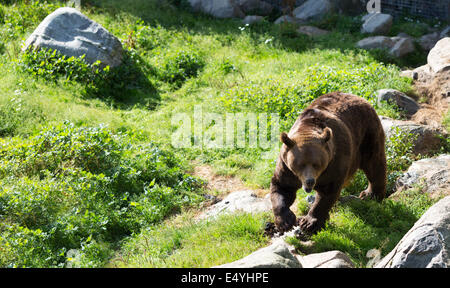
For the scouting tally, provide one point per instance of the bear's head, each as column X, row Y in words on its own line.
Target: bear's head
column 307, row 154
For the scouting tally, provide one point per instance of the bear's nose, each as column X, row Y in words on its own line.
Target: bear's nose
column 310, row 182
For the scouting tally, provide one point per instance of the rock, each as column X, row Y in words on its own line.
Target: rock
column 428, row 41
column 397, row 46
column 245, row 201
column 313, row 9
column 428, row 138
column 255, row 6
column 276, row 255
column 330, row 259
column 433, row 173
column 376, row 42
column 427, row 244
column 403, row 101
column 312, row 31
column 402, row 47
column 287, row 19
column 73, row 34
column 252, row 19
column 439, row 56
column 377, row 23
column 218, row 8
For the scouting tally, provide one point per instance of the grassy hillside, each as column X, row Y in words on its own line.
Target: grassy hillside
column 88, row 175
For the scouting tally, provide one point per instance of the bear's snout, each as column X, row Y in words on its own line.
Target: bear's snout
column 309, row 184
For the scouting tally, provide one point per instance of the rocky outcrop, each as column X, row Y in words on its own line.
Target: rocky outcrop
column 377, row 23
column 432, row 173
column 403, row 101
column 70, row 32
column 239, row 201
column 427, row 243
column 276, row 255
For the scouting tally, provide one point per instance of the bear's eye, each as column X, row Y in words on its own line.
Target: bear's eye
column 315, row 166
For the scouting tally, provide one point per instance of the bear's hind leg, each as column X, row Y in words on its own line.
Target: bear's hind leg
column 375, row 170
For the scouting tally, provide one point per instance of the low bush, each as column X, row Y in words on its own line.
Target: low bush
column 67, row 188
column 179, row 66
column 118, row 83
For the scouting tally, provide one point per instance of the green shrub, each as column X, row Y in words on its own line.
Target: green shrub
column 69, row 187
column 179, row 66
column 120, row 83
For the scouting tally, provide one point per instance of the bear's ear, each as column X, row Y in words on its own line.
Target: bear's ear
column 286, row 140
column 326, row 135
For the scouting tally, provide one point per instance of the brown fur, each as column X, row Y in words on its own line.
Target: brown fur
column 336, row 135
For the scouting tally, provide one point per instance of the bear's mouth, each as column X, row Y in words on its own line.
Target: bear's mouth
column 308, row 189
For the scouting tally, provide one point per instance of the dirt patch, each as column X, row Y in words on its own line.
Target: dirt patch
column 435, row 91
column 222, row 185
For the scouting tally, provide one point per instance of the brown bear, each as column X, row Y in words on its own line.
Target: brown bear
column 335, row 136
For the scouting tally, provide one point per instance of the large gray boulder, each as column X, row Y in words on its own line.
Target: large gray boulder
column 377, row 23
column 432, row 173
column 239, row 201
column 73, row 34
column 439, row 56
column 427, row 243
column 313, row 9
column 402, row 100
column 276, row 255
column 218, row 8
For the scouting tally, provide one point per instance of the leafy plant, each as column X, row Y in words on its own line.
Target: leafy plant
column 180, row 65
column 106, row 83
column 69, row 187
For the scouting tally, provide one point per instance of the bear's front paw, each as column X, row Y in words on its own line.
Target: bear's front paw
column 309, row 224
column 285, row 221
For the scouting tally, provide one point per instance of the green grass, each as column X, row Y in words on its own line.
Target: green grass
column 195, row 245
column 175, row 60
